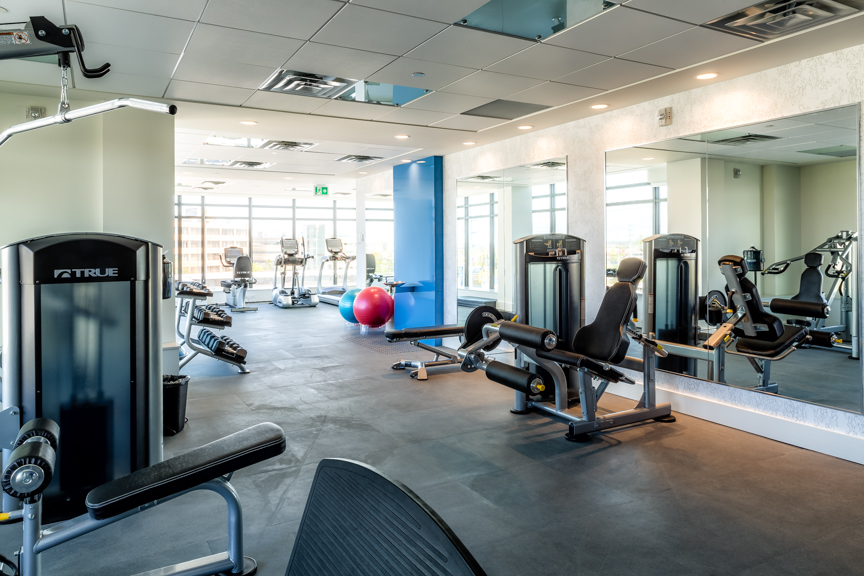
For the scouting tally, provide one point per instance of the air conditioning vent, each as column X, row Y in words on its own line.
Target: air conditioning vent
column 250, row 165
column 306, row 84
column 286, row 145
column 359, row 159
column 381, row 195
column 770, row 20
column 550, row 166
column 482, row 179
column 213, row 183
column 841, row 151
column 744, row 140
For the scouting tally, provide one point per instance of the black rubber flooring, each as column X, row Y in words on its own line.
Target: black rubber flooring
column 689, row 498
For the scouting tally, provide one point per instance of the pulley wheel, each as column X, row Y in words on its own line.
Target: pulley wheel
column 478, row 318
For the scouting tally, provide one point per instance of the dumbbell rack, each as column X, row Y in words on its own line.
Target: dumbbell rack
column 207, row 318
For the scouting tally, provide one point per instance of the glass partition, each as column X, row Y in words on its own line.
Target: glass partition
column 535, row 19
column 767, row 217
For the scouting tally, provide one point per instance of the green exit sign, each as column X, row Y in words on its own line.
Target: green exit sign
column 322, row 190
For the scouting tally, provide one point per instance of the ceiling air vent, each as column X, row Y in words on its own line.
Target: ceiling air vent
column 213, row 183
column 286, row 145
column 482, row 179
column 250, row 165
column 842, row 151
column 770, row 20
column 381, row 195
column 306, row 84
column 744, row 140
column 550, row 165
column 357, row 158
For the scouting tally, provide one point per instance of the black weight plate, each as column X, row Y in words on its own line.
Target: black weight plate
column 718, row 296
column 478, row 318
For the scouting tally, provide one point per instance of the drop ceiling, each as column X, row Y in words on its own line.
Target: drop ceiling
column 220, row 51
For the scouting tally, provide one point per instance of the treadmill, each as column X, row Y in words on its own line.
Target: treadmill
column 335, row 254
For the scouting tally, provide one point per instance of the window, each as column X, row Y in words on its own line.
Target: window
column 257, row 225
column 549, row 208
column 477, row 233
column 635, row 209
column 379, row 235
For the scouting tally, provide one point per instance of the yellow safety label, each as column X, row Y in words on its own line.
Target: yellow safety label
column 19, row 37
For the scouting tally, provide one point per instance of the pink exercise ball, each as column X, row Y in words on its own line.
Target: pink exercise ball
column 373, row 307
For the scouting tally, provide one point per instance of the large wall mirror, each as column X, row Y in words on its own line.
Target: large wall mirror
column 495, row 208
column 751, row 239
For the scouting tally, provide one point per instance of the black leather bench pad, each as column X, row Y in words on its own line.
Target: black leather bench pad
column 791, row 336
column 424, row 333
column 186, row 471
column 580, row 361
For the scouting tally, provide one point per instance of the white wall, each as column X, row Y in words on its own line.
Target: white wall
column 781, row 234
column 830, row 80
column 107, row 173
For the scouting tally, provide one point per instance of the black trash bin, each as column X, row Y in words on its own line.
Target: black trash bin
column 174, row 390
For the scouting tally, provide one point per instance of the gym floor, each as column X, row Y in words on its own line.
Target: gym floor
column 690, row 498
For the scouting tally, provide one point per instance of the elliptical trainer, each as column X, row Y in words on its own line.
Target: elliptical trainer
column 293, row 254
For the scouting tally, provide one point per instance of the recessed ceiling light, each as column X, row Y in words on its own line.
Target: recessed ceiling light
column 525, row 127
column 599, row 106
column 708, row 76
column 647, row 158
column 402, row 136
column 363, row 172
column 406, row 161
column 418, row 74
column 468, row 143
column 248, row 122
column 421, row 161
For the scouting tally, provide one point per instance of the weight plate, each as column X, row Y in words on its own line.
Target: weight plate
column 478, row 318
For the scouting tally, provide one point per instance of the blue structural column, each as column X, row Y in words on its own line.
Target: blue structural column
column 418, row 222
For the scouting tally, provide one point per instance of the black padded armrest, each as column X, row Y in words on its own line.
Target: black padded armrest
column 186, row 471
column 424, row 333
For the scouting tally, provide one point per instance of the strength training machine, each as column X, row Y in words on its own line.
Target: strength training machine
column 335, row 254
column 292, row 254
column 235, row 288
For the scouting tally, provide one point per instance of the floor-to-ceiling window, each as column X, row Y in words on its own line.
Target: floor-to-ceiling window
column 206, row 225
column 549, row 208
column 379, row 234
column 477, row 233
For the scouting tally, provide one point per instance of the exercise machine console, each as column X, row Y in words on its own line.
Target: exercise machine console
column 294, row 255
column 336, row 254
column 236, row 288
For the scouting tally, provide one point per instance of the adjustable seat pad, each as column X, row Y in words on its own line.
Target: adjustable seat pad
column 424, row 333
column 186, row 471
column 604, row 372
column 791, row 335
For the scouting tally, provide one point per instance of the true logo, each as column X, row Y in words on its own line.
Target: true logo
column 86, row 273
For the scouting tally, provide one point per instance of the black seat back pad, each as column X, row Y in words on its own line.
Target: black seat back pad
column 810, row 288
column 359, row 522
column 186, row 471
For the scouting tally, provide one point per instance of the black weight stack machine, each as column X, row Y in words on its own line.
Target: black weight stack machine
column 82, row 346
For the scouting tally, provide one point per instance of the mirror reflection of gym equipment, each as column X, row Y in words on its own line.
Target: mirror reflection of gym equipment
column 781, row 196
column 335, row 254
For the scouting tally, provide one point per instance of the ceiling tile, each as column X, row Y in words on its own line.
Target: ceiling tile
column 613, row 74
column 546, row 62
column 462, row 46
column 377, row 31
column 232, row 45
column 419, row 117
column 132, row 29
column 22, row 10
column 690, row 47
column 284, row 102
column 185, row 10
column 345, row 109
column 123, row 84
column 435, row 75
column 207, row 93
column 208, row 71
column 337, row 61
column 472, row 123
column 616, row 31
column 130, row 60
column 446, row 102
column 697, row 12
column 491, row 85
column 291, row 18
column 447, row 11
column 554, row 94
column 28, row 72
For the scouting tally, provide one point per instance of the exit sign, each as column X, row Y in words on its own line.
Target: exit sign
column 322, row 190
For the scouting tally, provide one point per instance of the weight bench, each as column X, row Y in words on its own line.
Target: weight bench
column 471, row 332
column 28, row 471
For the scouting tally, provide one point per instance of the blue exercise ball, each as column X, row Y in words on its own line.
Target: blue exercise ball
column 346, row 305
